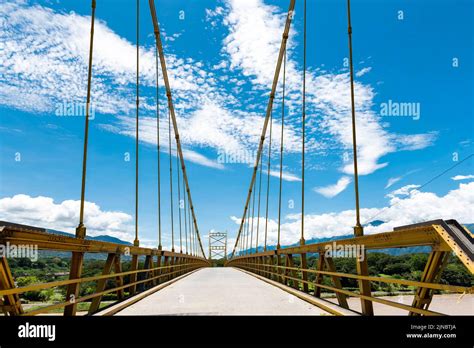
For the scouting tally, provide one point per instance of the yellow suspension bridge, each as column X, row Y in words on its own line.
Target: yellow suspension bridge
column 255, row 279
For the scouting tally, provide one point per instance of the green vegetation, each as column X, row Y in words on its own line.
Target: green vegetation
column 218, row 263
column 407, row 266
column 48, row 269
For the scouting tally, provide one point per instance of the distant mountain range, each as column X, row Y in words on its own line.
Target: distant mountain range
column 390, row 251
column 65, row 254
column 101, row 238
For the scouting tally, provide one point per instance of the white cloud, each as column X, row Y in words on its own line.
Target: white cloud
column 333, row 190
column 39, row 72
column 254, row 39
column 252, row 46
column 43, row 212
column 415, row 141
column 363, row 71
column 403, row 191
column 285, row 175
column 462, row 177
column 393, row 181
column 412, row 207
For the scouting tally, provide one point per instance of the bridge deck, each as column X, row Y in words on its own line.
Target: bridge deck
column 221, row 291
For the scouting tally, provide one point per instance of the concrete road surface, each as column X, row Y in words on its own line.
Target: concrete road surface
column 221, row 291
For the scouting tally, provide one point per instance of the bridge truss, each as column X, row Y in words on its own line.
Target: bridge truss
column 217, row 245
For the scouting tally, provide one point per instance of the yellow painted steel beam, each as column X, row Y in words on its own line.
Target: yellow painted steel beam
column 49, row 241
column 369, row 298
column 436, row 286
column 464, row 257
column 420, row 236
column 42, row 286
column 91, row 296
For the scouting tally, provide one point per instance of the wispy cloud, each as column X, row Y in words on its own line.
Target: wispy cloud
column 462, row 177
column 333, row 190
column 363, row 71
column 215, row 112
column 252, row 47
column 403, row 191
column 41, row 72
column 392, row 181
column 285, row 175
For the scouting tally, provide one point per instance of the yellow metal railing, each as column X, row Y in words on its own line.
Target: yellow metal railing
column 169, row 265
column 279, row 266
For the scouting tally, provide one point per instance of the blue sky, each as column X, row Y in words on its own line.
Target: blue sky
column 221, row 57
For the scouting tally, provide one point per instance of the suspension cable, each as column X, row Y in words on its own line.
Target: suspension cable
column 289, row 18
column 171, row 181
column 185, row 218
column 258, row 210
column 190, row 239
column 81, row 229
column 253, row 211
column 358, row 229
column 246, row 231
column 158, row 145
column 179, row 150
column 136, row 242
column 239, row 243
column 281, row 149
column 196, row 250
column 268, row 179
column 302, row 241
column 179, row 206
column 194, row 242
column 242, row 245
column 190, row 236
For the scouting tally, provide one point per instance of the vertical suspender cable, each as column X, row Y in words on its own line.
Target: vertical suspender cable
column 136, row 242
column 185, row 218
column 361, row 263
column 190, row 235
column 194, row 241
column 81, row 229
column 196, row 250
column 77, row 258
column 191, row 231
column 179, row 207
column 253, row 211
column 303, row 128
column 258, row 210
column 268, row 179
column 240, row 245
column 281, row 149
column 171, row 181
column 289, row 18
column 179, row 150
column 358, row 230
column 158, row 145
column 246, row 230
